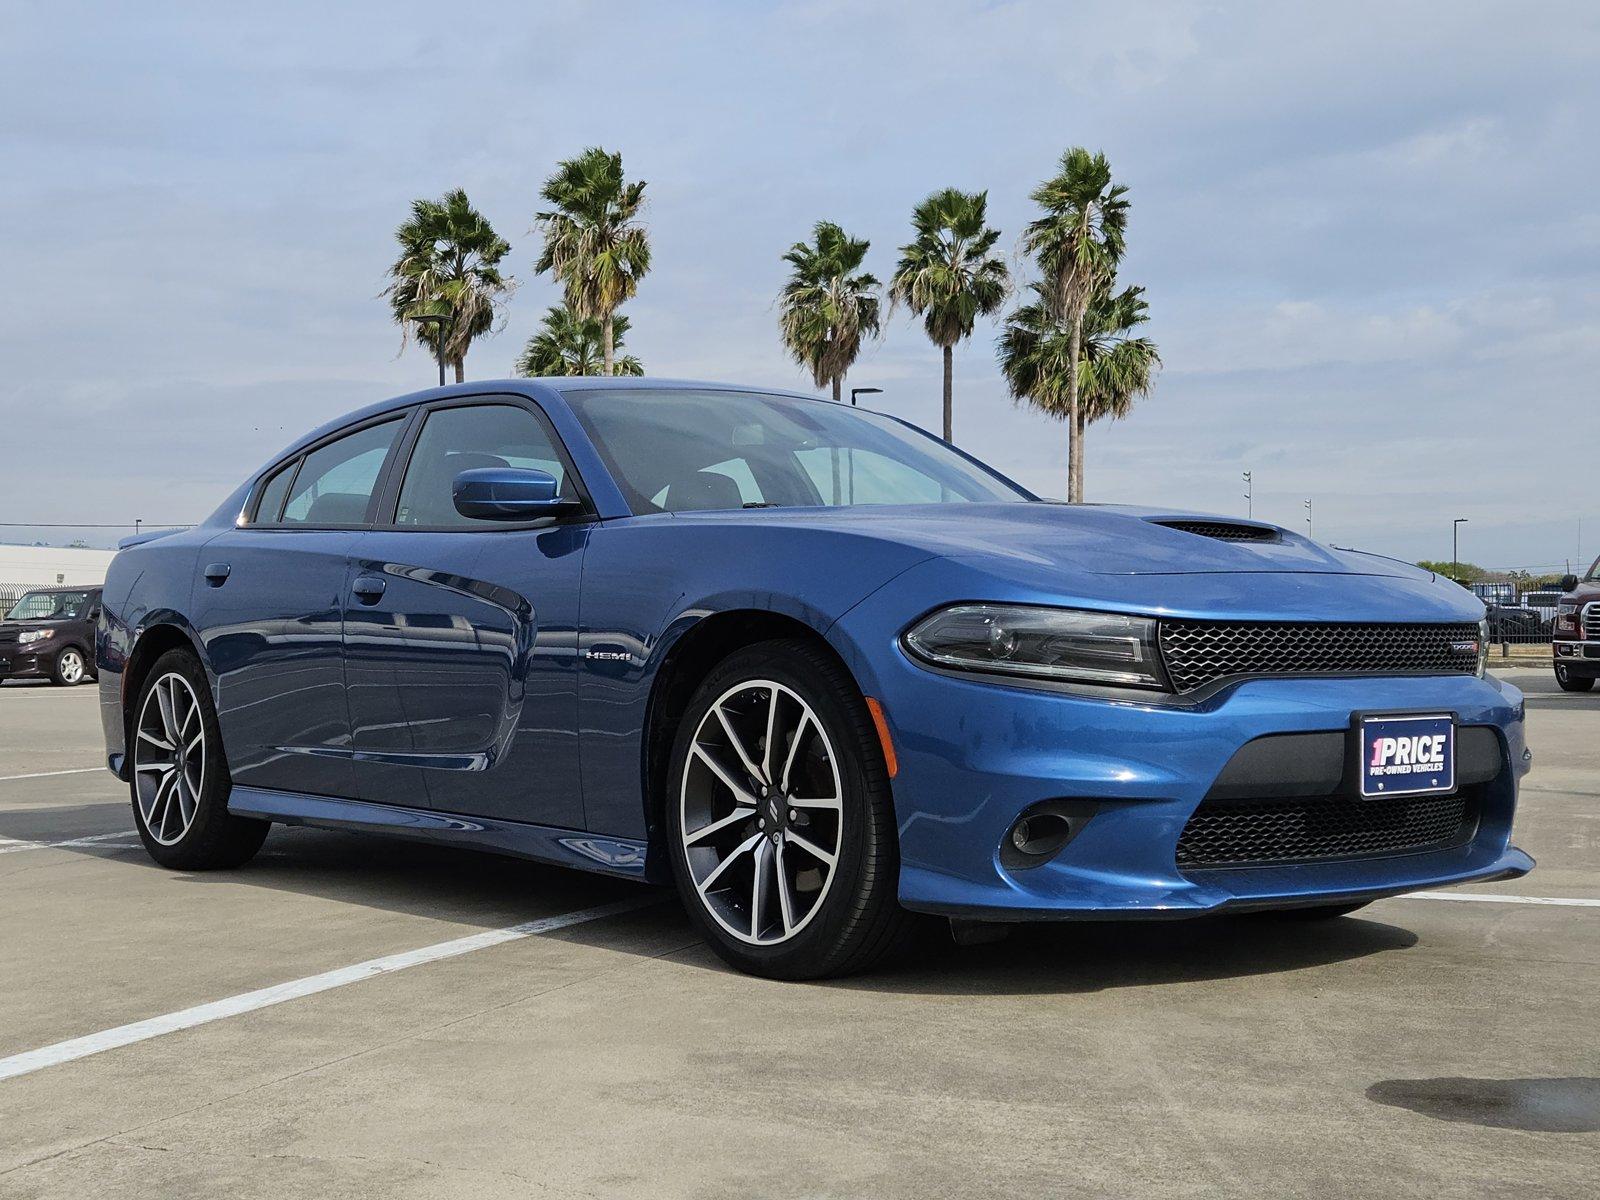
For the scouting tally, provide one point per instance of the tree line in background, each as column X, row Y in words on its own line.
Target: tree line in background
column 1068, row 349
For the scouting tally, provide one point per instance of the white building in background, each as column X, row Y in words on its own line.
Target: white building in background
column 48, row 566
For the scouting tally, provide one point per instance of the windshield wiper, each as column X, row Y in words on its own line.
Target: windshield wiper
column 761, row 504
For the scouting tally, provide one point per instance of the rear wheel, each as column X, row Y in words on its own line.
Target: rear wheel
column 1573, row 683
column 180, row 778
column 780, row 818
column 70, row 668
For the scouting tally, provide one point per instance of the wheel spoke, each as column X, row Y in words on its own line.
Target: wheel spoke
column 160, row 766
column 740, row 794
column 831, row 803
column 810, row 847
column 758, row 886
column 772, row 736
column 738, row 744
column 742, row 813
column 743, row 848
column 155, row 741
column 169, row 719
column 794, row 750
column 785, row 900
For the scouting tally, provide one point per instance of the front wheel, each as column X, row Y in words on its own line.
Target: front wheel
column 70, row 668
column 180, row 779
column 780, row 818
column 1569, row 682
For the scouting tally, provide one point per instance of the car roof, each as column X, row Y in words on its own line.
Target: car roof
column 535, row 388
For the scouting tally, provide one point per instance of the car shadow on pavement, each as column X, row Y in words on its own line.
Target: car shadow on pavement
column 489, row 891
column 1093, row 956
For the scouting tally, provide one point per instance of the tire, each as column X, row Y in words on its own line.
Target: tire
column 70, row 668
column 1569, row 682
column 181, row 809
column 811, row 920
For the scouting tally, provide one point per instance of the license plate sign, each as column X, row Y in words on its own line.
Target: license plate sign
column 1408, row 756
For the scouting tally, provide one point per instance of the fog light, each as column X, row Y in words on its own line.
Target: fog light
column 1020, row 835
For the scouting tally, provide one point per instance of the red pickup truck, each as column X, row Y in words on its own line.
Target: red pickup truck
column 1575, row 645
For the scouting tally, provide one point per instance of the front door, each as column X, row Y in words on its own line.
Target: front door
column 461, row 634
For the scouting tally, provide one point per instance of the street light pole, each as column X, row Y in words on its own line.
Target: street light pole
column 854, row 392
column 1308, row 517
column 1249, row 496
column 1455, row 548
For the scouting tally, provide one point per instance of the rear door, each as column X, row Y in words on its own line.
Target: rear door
column 461, row 634
column 269, row 605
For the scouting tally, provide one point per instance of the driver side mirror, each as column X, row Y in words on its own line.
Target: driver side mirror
column 508, row 494
column 1569, row 583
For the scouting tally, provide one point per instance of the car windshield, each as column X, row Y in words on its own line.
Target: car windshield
column 44, row 606
column 682, row 450
column 1594, row 572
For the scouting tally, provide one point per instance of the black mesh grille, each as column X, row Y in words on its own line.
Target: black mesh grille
column 1200, row 652
column 1237, row 833
column 1224, row 531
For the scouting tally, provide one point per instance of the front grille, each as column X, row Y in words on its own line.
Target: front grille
column 1200, row 652
column 1224, row 531
column 1240, row 833
column 1591, row 619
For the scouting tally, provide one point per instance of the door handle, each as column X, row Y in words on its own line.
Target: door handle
column 367, row 588
column 217, row 573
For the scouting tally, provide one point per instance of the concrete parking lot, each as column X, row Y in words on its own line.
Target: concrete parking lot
column 1427, row 1047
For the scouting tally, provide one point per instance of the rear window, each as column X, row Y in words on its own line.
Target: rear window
column 335, row 482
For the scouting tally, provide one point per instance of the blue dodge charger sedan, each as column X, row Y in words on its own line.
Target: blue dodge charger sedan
column 809, row 664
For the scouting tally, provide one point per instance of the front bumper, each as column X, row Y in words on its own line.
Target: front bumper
column 974, row 754
column 1580, row 658
column 23, row 664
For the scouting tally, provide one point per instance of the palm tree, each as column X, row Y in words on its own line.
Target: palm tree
column 1078, row 242
column 566, row 345
column 829, row 305
column 1114, row 367
column 948, row 277
column 448, row 267
column 594, row 244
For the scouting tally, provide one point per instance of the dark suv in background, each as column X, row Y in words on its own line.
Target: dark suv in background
column 1575, row 641
column 49, row 634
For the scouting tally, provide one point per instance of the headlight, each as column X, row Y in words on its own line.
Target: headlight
column 1043, row 643
column 34, row 635
column 1483, row 647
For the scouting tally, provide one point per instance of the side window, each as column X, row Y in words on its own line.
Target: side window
column 335, row 483
column 271, row 502
column 464, row 439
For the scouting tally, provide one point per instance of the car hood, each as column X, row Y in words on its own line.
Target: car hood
column 1046, row 539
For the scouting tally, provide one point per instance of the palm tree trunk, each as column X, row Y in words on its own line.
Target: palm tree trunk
column 1075, row 435
column 461, row 369
column 949, row 403
column 838, row 383
column 610, row 345
column 1079, row 445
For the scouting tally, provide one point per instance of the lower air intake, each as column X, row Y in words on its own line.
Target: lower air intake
column 1248, row 833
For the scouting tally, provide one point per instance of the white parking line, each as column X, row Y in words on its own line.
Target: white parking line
column 48, row 774
column 202, row 1014
column 13, row 845
column 1493, row 898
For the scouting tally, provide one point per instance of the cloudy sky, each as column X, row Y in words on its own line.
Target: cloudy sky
column 1370, row 233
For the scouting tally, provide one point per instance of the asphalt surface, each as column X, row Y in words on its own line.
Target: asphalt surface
column 1422, row 1048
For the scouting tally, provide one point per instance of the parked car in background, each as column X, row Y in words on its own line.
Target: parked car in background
column 1513, row 623
column 1544, row 603
column 807, row 662
column 1575, row 642
column 49, row 634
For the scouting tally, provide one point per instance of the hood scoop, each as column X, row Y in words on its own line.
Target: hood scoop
column 1223, row 531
